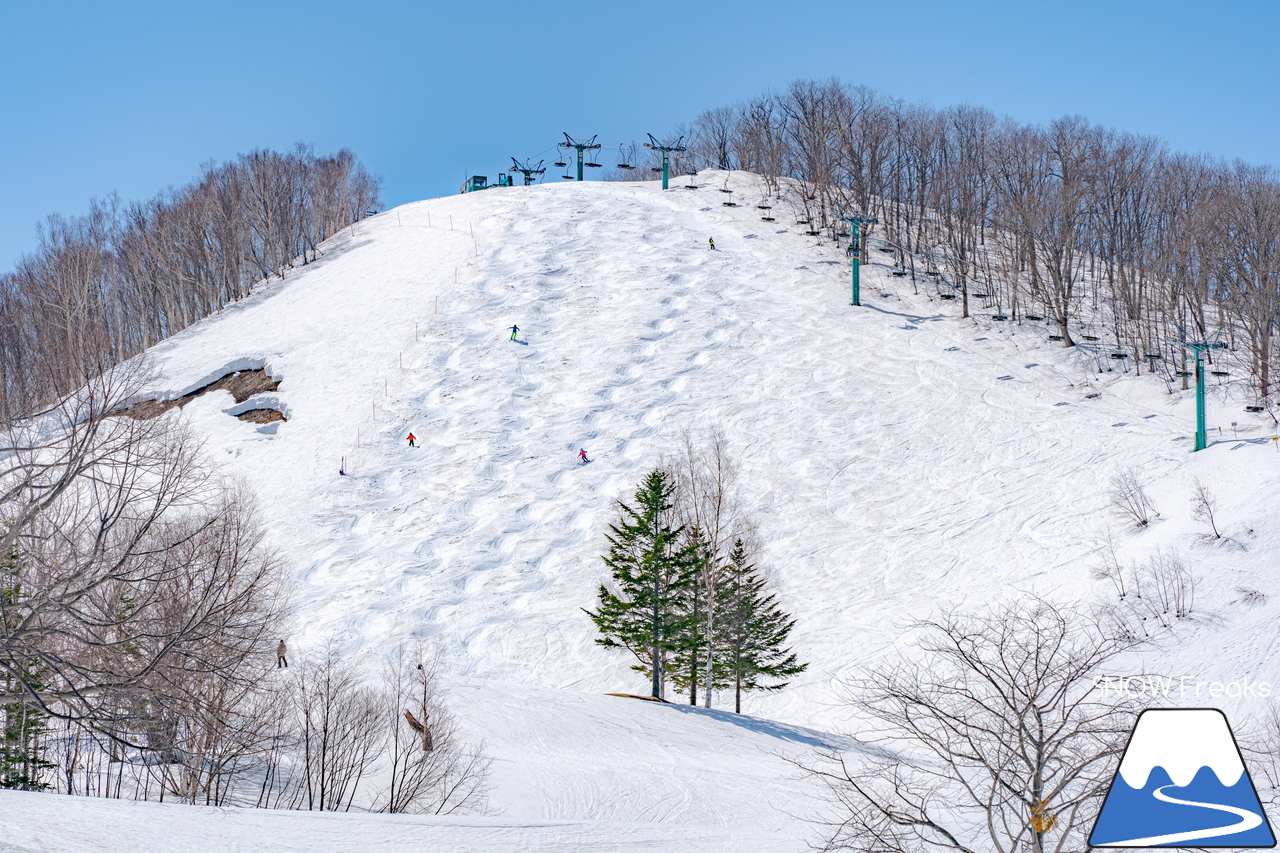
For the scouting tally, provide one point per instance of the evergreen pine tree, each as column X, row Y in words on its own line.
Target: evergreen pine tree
column 654, row 573
column 755, row 630
column 699, row 639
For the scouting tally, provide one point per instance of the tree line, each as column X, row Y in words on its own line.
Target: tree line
column 103, row 287
column 1101, row 233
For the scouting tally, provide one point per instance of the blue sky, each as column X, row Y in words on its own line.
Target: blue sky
column 132, row 96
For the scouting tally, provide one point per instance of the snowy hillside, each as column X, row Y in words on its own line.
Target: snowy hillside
column 896, row 457
column 896, row 460
column 572, row 772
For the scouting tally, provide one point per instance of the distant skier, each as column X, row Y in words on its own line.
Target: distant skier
column 411, row 439
column 281, row 660
column 848, row 251
column 514, row 330
column 711, row 241
column 582, row 457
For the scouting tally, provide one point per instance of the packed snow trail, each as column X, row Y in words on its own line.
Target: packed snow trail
column 895, row 458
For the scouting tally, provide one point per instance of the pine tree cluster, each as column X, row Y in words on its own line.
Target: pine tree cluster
column 678, row 605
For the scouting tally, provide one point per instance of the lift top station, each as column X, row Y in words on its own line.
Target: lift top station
column 481, row 182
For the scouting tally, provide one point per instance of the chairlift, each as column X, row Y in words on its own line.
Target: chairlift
column 593, row 165
column 1255, row 409
column 763, row 206
column 1219, row 373
column 887, row 250
column 932, row 272
column 1089, row 337
column 560, row 164
column 729, row 204
column 1055, row 337
column 1153, row 356
column 1182, row 373
column 898, row 273
column 625, row 166
column 1119, row 355
column 1032, row 317
column 946, row 295
column 999, row 317
column 813, row 233
column 981, row 295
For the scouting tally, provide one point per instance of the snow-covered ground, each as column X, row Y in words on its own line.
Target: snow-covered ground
column 896, row 459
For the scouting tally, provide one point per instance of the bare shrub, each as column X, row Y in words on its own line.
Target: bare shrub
column 1251, row 596
column 1129, row 499
column 1111, row 570
column 1203, row 506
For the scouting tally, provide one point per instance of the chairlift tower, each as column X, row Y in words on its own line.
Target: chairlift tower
column 589, row 145
column 856, row 255
column 675, row 148
column 1199, row 348
column 527, row 170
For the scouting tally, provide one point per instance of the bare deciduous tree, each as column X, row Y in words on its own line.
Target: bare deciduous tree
column 995, row 737
column 442, row 775
column 137, row 575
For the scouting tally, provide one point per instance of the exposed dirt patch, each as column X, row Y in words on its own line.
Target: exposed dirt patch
column 262, row 416
column 242, row 384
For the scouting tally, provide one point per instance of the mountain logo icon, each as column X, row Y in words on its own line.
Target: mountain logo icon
column 1182, row 783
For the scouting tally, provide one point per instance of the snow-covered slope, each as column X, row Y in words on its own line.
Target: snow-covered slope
column 572, row 771
column 895, row 458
